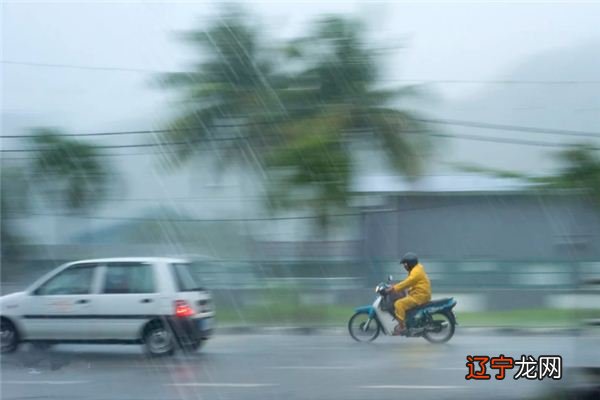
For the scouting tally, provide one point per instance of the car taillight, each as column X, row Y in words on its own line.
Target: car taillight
column 183, row 309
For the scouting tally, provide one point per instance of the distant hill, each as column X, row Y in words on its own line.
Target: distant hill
column 556, row 106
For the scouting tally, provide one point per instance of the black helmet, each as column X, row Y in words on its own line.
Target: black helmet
column 410, row 259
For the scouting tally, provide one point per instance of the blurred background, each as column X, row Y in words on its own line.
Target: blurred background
column 296, row 150
column 302, row 148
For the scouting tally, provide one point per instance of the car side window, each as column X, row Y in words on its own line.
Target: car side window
column 73, row 280
column 128, row 277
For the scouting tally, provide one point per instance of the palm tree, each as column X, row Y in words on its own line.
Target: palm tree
column 68, row 170
column 300, row 126
column 63, row 169
column 581, row 170
column 334, row 106
column 230, row 94
column 13, row 203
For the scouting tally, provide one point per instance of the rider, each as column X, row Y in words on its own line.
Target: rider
column 419, row 289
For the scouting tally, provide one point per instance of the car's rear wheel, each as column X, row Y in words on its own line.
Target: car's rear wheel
column 159, row 340
column 9, row 337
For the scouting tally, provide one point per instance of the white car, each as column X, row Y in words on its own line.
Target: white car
column 154, row 301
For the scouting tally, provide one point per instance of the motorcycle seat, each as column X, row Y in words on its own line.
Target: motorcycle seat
column 432, row 303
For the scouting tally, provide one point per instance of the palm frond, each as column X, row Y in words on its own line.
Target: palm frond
column 71, row 165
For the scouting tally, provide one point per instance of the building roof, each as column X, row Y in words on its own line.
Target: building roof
column 164, row 260
column 438, row 183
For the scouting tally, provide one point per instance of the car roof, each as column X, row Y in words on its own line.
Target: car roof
column 165, row 260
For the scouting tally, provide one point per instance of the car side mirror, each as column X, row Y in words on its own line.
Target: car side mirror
column 390, row 278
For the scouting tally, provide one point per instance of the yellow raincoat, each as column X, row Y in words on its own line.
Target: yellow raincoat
column 419, row 291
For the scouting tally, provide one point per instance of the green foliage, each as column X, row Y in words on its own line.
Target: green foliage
column 69, row 169
column 498, row 173
column 299, row 110
column 333, row 102
column 580, row 170
column 229, row 95
column 14, row 201
column 290, row 311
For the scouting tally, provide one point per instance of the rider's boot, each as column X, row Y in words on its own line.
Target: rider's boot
column 399, row 329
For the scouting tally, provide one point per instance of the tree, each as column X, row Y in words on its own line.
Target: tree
column 301, row 118
column 14, row 201
column 68, row 170
column 63, row 169
column 229, row 96
column 333, row 104
column 579, row 170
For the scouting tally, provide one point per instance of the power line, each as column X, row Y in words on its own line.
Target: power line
column 412, row 80
column 524, row 142
column 140, row 132
column 153, row 153
column 115, row 133
column 254, row 219
column 437, row 121
column 449, row 122
column 118, row 133
column 503, row 127
column 171, row 219
column 138, row 145
column 501, row 81
column 477, row 138
column 84, row 67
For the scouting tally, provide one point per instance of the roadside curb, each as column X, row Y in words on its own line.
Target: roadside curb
column 342, row 330
column 281, row 330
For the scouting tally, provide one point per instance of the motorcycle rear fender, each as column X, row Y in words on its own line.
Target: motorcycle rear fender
column 450, row 313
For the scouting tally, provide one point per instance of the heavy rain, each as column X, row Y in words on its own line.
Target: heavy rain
column 299, row 200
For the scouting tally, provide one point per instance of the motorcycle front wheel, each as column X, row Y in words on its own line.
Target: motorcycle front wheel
column 363, row 328
column 440, row 328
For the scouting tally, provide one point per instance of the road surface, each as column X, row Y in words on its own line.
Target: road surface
column 275, row 366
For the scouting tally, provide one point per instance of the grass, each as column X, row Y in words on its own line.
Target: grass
column 540, row 317
column 276, row 315
column 292, row 314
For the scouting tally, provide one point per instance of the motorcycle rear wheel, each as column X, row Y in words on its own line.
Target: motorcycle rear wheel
column 357, row 324
column 447, row 328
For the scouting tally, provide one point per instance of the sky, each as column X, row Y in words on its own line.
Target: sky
column 114, row 47
column 435, row 41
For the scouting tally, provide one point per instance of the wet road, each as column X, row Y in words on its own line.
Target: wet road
column 284, row 367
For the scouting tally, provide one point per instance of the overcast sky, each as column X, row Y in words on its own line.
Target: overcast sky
column 441, row 41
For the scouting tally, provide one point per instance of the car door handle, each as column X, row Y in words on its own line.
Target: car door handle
column 82, row 301
column 146, row 301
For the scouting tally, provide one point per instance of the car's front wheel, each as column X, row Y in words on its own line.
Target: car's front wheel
column 159, row 340
column 9, row 337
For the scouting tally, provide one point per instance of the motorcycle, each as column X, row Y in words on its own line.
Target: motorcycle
column 435, row 321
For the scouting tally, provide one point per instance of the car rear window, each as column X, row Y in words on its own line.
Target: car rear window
column 186, row 277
